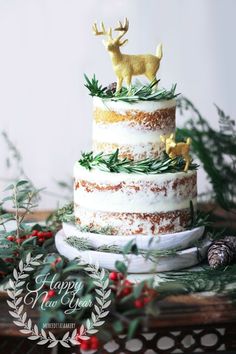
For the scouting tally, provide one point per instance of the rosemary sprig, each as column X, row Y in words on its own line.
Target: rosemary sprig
column 83, row 244
column 198, row 218
column 112, row 163
column 94, row 87
column 204, row 279
column 136, row 93
column 106, row 230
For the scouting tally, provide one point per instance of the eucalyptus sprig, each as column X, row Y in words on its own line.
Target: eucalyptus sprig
column 112, row 163
column 136, row 93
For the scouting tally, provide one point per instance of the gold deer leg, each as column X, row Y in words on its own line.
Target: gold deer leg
column 119, row 84
column 128, row 83
column 187, row 162
column 152, row 78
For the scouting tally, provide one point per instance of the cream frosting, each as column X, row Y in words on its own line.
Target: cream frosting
column 122, row 133
column 122, row 107
column 137, row 193
column 88, row 216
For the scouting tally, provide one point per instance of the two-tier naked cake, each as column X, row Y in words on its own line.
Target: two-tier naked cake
column 138, row 184
column 133, row 203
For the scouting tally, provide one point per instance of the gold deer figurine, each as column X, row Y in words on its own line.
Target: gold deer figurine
column 174, row 149
column 125, row 66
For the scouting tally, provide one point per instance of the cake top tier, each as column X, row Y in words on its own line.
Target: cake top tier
column 135, row 129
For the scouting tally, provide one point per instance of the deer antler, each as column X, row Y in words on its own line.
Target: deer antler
column 122, row 28
column 103, row 32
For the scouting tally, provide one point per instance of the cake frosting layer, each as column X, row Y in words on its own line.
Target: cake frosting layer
column 133, row 128
column 134, row 203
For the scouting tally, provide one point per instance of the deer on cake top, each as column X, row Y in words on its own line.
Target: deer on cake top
column 174, row 149
column 126, row 66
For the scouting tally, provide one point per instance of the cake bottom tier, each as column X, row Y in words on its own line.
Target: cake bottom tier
column 132, row 203
column 133, row 223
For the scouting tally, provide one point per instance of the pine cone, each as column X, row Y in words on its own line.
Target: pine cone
column 222, row 252
column 111, row 88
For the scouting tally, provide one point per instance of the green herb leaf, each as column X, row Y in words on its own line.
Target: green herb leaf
column 121, row 267
column 133, row 326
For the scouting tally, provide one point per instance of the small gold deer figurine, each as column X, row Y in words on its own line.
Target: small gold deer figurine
column 174, row 149
column 124, row 65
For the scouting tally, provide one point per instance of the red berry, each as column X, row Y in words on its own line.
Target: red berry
column 58, row 260
column 34, row 232
column 146, row 300
column 113, row 276
column 138, row 303
column 40, row 234
column 19, row 241
column 127, row 283
column 51, row 293
column 11, row 238
column 94, row 342
column 126, row 288
column 94, row 339
column 9, row 260
column 85, row 345
column 41, row 240
column 94, row 346
column 126, row 291
column 48, row 234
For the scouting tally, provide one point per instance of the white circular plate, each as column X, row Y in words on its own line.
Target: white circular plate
column 178, row 240
column 136, row 264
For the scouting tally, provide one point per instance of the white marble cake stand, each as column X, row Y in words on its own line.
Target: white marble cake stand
column 136, row 264
column 178, row 240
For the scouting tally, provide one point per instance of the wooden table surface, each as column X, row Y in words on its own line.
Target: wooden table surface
column 183, row 313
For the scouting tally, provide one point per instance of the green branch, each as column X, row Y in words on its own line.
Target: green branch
column 136, row 93
column 112, row 163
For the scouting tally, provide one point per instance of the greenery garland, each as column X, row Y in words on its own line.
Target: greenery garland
column 112, row 163
column 136, row 93
column 83, row 244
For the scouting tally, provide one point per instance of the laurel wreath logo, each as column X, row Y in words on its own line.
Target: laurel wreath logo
column 98, row 315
